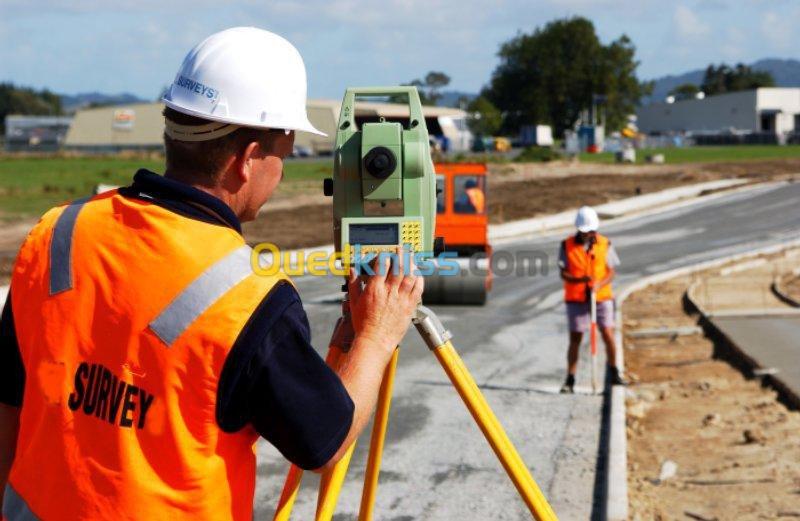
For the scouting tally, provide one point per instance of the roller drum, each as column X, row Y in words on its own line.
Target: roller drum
column 466, row 287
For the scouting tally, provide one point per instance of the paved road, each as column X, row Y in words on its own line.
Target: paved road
column 437, row 465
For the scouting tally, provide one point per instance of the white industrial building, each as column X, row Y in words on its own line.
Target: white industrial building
column 764, row 111
column 141, row 126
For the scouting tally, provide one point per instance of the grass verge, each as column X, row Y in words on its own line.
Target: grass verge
column 705, row 154
column 31, row 185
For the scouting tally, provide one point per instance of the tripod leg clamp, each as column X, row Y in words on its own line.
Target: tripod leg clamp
column 430, row 327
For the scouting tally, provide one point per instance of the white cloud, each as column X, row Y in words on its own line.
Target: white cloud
column 779, row 30
column 732, row 48
column 688, row 25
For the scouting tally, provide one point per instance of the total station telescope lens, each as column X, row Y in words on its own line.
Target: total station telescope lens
column 380, row 162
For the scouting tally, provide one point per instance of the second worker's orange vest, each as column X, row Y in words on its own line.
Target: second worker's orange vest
column 125, row 313
column 581, row 263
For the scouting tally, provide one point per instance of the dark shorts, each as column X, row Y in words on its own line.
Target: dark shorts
column 579, row 319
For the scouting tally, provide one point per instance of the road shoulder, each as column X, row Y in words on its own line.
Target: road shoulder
column 703, row 440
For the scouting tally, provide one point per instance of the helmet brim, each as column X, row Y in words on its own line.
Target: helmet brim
column 305, row 126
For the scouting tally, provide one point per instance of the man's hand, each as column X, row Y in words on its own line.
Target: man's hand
column 382, row 307
column 606, row 281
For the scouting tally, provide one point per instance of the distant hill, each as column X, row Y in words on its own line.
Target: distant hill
column 785, row 72
column 71, row 103
column 450, row 98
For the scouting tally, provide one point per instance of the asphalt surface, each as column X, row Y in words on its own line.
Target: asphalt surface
column 436, row 465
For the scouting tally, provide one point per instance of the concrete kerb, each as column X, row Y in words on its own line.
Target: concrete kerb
column 649, row 203
column 617, row 472
column 738, row 356
column 779, row 289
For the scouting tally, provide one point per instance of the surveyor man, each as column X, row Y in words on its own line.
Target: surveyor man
column 142, row 356
column 587, row 261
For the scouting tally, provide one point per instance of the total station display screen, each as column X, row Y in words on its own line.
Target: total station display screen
column 368, row 234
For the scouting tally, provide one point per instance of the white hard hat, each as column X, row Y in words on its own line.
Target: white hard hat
column 587, row 220
column 243, row 76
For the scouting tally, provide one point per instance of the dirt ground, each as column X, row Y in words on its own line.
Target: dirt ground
column 290, row 228
column 733, row 450
column 519, row 191
column 515, row 191
column 792, row 287
column 509, row 199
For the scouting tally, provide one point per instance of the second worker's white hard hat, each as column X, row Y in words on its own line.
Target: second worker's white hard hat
column 587, row 220
column 243, row 76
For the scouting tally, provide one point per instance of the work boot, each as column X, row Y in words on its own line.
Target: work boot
column 615, row 377
column 569, row 385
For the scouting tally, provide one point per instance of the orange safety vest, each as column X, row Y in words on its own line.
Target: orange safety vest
column 581, row 263
column 125, row 313
column 477, row 199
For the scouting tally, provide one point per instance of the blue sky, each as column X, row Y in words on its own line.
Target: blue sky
column 137, row 46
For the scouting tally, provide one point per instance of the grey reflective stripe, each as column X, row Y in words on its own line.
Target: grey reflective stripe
column 201, row 294
column 15, row 508
column 61, row 248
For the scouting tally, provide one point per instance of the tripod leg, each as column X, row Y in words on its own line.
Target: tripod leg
column 295, row 475
column 331, row 482
column 331, row 485
column 493, row 431
column 376, row 442
column 437, row 339
column 289, row 494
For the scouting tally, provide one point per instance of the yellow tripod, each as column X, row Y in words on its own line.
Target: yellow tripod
column 437, row 338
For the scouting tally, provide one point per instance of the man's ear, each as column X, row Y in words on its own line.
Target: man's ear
column 245, row 161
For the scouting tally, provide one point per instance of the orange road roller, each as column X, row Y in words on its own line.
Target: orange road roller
column 462, row 221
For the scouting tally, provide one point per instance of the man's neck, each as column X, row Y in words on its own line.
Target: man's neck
column 213, row 189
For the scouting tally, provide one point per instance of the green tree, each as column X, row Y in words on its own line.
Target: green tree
column 429, row 88
column 434, row 82
column 721, row 79
column 27, row 101
column 685, row 91
column 423, row 93
column 552, row 74
column 484, row 118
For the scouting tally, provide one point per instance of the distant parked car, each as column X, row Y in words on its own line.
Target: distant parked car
column 483, row 144
column 301, row 151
